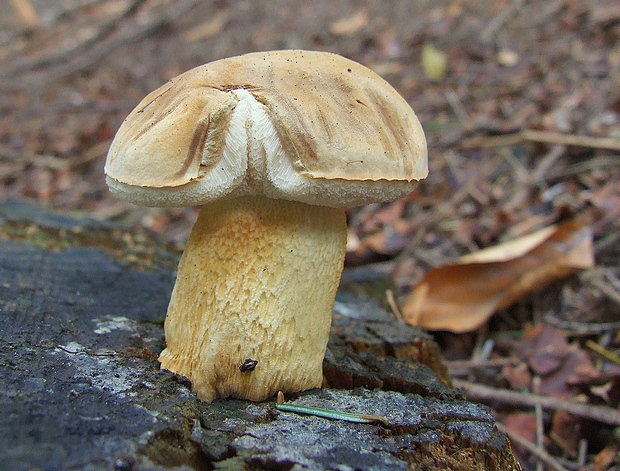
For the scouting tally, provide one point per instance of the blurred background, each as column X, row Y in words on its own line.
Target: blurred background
column 520, row 102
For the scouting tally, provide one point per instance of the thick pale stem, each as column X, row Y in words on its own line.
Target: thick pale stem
column 257, row 281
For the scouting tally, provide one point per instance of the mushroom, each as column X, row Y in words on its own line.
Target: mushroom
column 274, row 146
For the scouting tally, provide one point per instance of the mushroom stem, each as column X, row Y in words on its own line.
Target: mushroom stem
column 255, row 285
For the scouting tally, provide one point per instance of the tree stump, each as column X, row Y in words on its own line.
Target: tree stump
column 81, row 324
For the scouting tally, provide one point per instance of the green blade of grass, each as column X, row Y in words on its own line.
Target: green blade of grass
column 333, row 414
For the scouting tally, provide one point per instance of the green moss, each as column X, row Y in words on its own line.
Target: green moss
column 136, row 248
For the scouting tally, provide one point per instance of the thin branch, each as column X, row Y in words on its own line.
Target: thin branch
column 609, row 355
column 113, row 39
column 572, row 140
column 607, row 289
column 478, row 392
column 468, row 365
column 582, row 328
column 389, row 294
column 544, row 137
column 498, row 20
column 458, row 108
column 540, row 434
column 539, row 453
column 48, row 60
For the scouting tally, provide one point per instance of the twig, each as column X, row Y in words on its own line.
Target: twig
column 110, row 38
column 85, row 352
column 606, row 243
column 540, row 454
column 63, row 55
column 389, row 294
column 544, row 137
column 572, row 140
column 596, row 163
column 478, row 364
column 611, row 356
column 540, row 434
column 478, row 392
column 458, row 109
column 582, row 453
column 546, row 163
column 607, row 290
column 498, row 20
column 583, row 328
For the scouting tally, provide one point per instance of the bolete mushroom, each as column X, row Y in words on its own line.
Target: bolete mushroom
column 274, row 145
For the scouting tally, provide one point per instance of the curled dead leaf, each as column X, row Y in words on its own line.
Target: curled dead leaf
column 462, row 296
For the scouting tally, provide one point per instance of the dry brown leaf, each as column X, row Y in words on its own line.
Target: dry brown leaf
column 576, row 368
column 349, row 25
column 565, row 431
column 460, row 297
column 524, row 425
column 544, row 348
column 519, row 376
column 212, row 27
column 606, row 458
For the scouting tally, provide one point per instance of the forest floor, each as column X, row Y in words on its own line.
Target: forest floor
column 520, row 102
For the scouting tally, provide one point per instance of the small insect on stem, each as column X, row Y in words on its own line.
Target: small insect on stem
column 248, row 365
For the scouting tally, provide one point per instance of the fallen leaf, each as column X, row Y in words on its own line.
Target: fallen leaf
column 434, row 62
column 606, row 458
column 212, row 27
column 509, row 250
column 543, row 347
column 524, row 425
column 460, row 297
column 349, row 25
column 607, row 199
column 604, row 12
column 518, row 376
column 561, row 368
column 507, row 57
column 385, row 215
column 565, row 431
column 576, row 368
column 387, row 242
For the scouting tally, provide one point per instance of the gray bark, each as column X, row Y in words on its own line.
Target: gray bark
column 80, row 331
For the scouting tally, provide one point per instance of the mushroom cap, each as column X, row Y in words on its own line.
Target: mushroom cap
column 307, row 126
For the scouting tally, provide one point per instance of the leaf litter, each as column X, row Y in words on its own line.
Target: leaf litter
column 520, row 102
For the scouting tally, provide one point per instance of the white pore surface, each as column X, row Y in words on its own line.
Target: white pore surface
column 254, row 162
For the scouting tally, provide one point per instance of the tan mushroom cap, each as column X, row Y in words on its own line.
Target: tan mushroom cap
column 306, row 126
